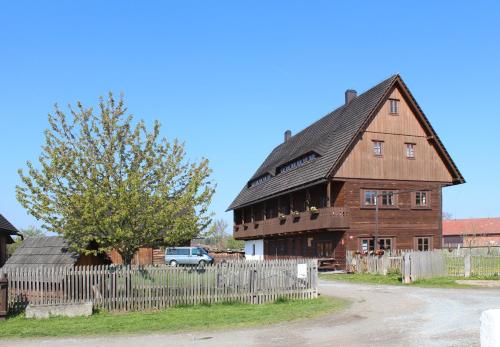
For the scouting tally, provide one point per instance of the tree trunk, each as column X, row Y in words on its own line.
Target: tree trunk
column 127, row 257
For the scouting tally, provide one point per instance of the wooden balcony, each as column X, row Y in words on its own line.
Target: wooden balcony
column 325, row 218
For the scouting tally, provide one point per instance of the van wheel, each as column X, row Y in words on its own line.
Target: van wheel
column 173, row 263
column 202, row 263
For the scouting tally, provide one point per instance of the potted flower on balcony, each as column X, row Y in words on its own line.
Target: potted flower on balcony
column 295, row 214
column 281, row 217
column 313, row 210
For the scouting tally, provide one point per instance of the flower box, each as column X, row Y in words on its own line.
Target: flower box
column 313, row 210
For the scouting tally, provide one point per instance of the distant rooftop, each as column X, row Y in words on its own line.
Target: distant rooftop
column 471, row 226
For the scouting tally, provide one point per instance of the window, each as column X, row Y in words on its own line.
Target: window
column 421, row 199
column 388, row 198
column 196, row 251
column 410, row 150
column 253, row 249
column 394, row 106
column 259, row 180
column 377, row 148
column 423, row 243
column 296, row 163
column 367, row 245
column 370, row 198
column 385, row 243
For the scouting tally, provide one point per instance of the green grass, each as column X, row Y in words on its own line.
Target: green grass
column 395, row 279
column 364, row 278
column 177, row 319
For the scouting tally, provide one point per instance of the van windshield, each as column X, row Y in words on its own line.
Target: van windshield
column 199, row 251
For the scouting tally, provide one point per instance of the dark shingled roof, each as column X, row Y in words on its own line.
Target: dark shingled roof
column 328, row 137
column 42, row 251
column 6, row 226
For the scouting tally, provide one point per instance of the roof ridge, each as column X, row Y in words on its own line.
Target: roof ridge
column 338, row 109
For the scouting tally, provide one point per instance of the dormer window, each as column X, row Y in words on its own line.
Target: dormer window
column 259, row 180
column 394, row 106
column 296, row 163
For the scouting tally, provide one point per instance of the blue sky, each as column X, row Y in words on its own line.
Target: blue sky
column 229, row 78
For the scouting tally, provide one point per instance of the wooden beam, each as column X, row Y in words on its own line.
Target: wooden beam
column 329, row 193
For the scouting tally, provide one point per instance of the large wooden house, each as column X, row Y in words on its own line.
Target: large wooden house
column 367, row 176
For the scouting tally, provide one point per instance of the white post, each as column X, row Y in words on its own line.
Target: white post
column 467, row 265
column 407, row 268
column 490, row 328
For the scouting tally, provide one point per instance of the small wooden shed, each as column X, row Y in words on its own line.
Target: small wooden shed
column 50, row 251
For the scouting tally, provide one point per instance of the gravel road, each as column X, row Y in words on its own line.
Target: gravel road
column 379, row 316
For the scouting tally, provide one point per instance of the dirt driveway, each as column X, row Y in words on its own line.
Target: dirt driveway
column 379, row 316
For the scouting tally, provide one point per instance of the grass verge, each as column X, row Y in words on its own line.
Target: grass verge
column 177, row 319
column 395, row 279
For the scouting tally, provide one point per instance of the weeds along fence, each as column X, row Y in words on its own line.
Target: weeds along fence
column 126, row 288
column 375, row 264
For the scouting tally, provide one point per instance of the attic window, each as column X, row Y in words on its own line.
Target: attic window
column 259, row 180
column 394, row 106
column 296, row 163
column 377, row 148
column 410, row 150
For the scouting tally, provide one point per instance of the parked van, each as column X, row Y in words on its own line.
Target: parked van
column 187, row 256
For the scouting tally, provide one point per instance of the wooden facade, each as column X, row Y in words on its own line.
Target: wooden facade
column 3, row 248
column 384, row 191
column 394, row 131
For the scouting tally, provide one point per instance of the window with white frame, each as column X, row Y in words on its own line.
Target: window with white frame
column 377, row 148
column 394, row 106
column 410, row 150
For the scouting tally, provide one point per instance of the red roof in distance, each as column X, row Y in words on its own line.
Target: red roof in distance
column 471, row 226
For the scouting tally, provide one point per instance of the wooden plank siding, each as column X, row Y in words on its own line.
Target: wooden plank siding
column 395, row 131
column 403, row 223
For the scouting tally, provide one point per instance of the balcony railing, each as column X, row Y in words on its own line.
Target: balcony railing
column 324, row 218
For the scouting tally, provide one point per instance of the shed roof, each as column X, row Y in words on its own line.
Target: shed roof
column 471, row 226
column 42, row 251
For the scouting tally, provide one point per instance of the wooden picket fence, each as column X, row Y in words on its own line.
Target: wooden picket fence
column 126, row 288
column 423, row 265
column 440, row 263
column 415, row 265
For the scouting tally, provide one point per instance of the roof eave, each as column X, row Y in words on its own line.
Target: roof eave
column 290, row 190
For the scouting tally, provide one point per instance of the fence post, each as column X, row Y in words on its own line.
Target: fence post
column 467, row 265
column 4, row 302
column 407, row 268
